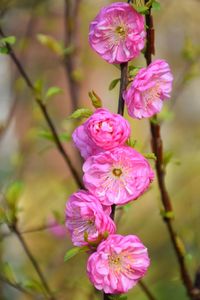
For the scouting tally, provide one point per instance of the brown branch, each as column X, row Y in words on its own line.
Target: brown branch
column 34, row 262
column 71, row 40
column 145, row 289
column 45, row 113
column 157, row 148
column 16, row 286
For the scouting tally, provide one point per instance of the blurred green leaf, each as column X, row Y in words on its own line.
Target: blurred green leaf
column 8, row 272
column 4, row 50
column 38, row 86
column 45, row 134
column 13, row 193
column 77, row 75
column 74, row 251
column 11, row 40
column 167, row 157
column 167, row 214
column 156, row 5
column 143, row 9
column 133, row 71
column 34, row 285
column 131, row 142
column 81, row 113
column 69, row 50
column 51, row 43
column 113, row 84
column 52, row 91
column 96, row 100
column 150, row 156
column 190, row 51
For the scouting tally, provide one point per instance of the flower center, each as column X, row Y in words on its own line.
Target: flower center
column 90, row 222
column 114, row 260
column 117, row 172
column 120, row 31
column 152, row 94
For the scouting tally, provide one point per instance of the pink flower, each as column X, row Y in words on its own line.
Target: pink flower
column 117, row 33
column 83, row 142
column 118, row 264
column 102, row 131
column 85, row 215
column 150, row 87
column 117, row 176
column 57, row 229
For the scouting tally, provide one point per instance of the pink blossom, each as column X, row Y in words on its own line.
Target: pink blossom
column 117, row 33
column 150, row 87
column 107, row 130
column 85, row 215
column 118, row 264
column 57, row 229
column 84, row 143
column 102, row 131
column 117, row 176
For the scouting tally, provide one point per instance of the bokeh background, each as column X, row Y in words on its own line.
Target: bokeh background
column 28, row 155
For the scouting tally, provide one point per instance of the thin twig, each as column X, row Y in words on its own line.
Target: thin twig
column 16, row 286
column 157, row 148
column 45, row 113
column 34, row 262
column 71, row 40
column 30, row 230
column 146, row 290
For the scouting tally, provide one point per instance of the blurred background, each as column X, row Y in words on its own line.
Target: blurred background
column 50, row 39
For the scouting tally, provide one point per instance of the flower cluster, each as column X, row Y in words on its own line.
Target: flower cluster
column 115, row 173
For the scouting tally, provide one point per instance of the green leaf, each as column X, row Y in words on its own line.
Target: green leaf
column 8, row 272
column 45, row 134
column 38, row 86
column 143, row 9
column 74, row 251
column 156, row 5
column 52, row 91
column 150, row 156
column 34, row 286
column 133, row 71
column 69, row 50
column 81, row 113
column 50, row 43
column 4, row 50
column 167, row 214
column 167, row 157
column 13, row 193
column 131, row 142
column 96, row 100
column 113, row 84
column 11, row 40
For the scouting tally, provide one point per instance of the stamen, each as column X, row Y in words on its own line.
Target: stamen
column 117, row 172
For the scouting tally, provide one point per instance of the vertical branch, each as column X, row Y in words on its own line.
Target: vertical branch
column 71, row 40
column 157, row 148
